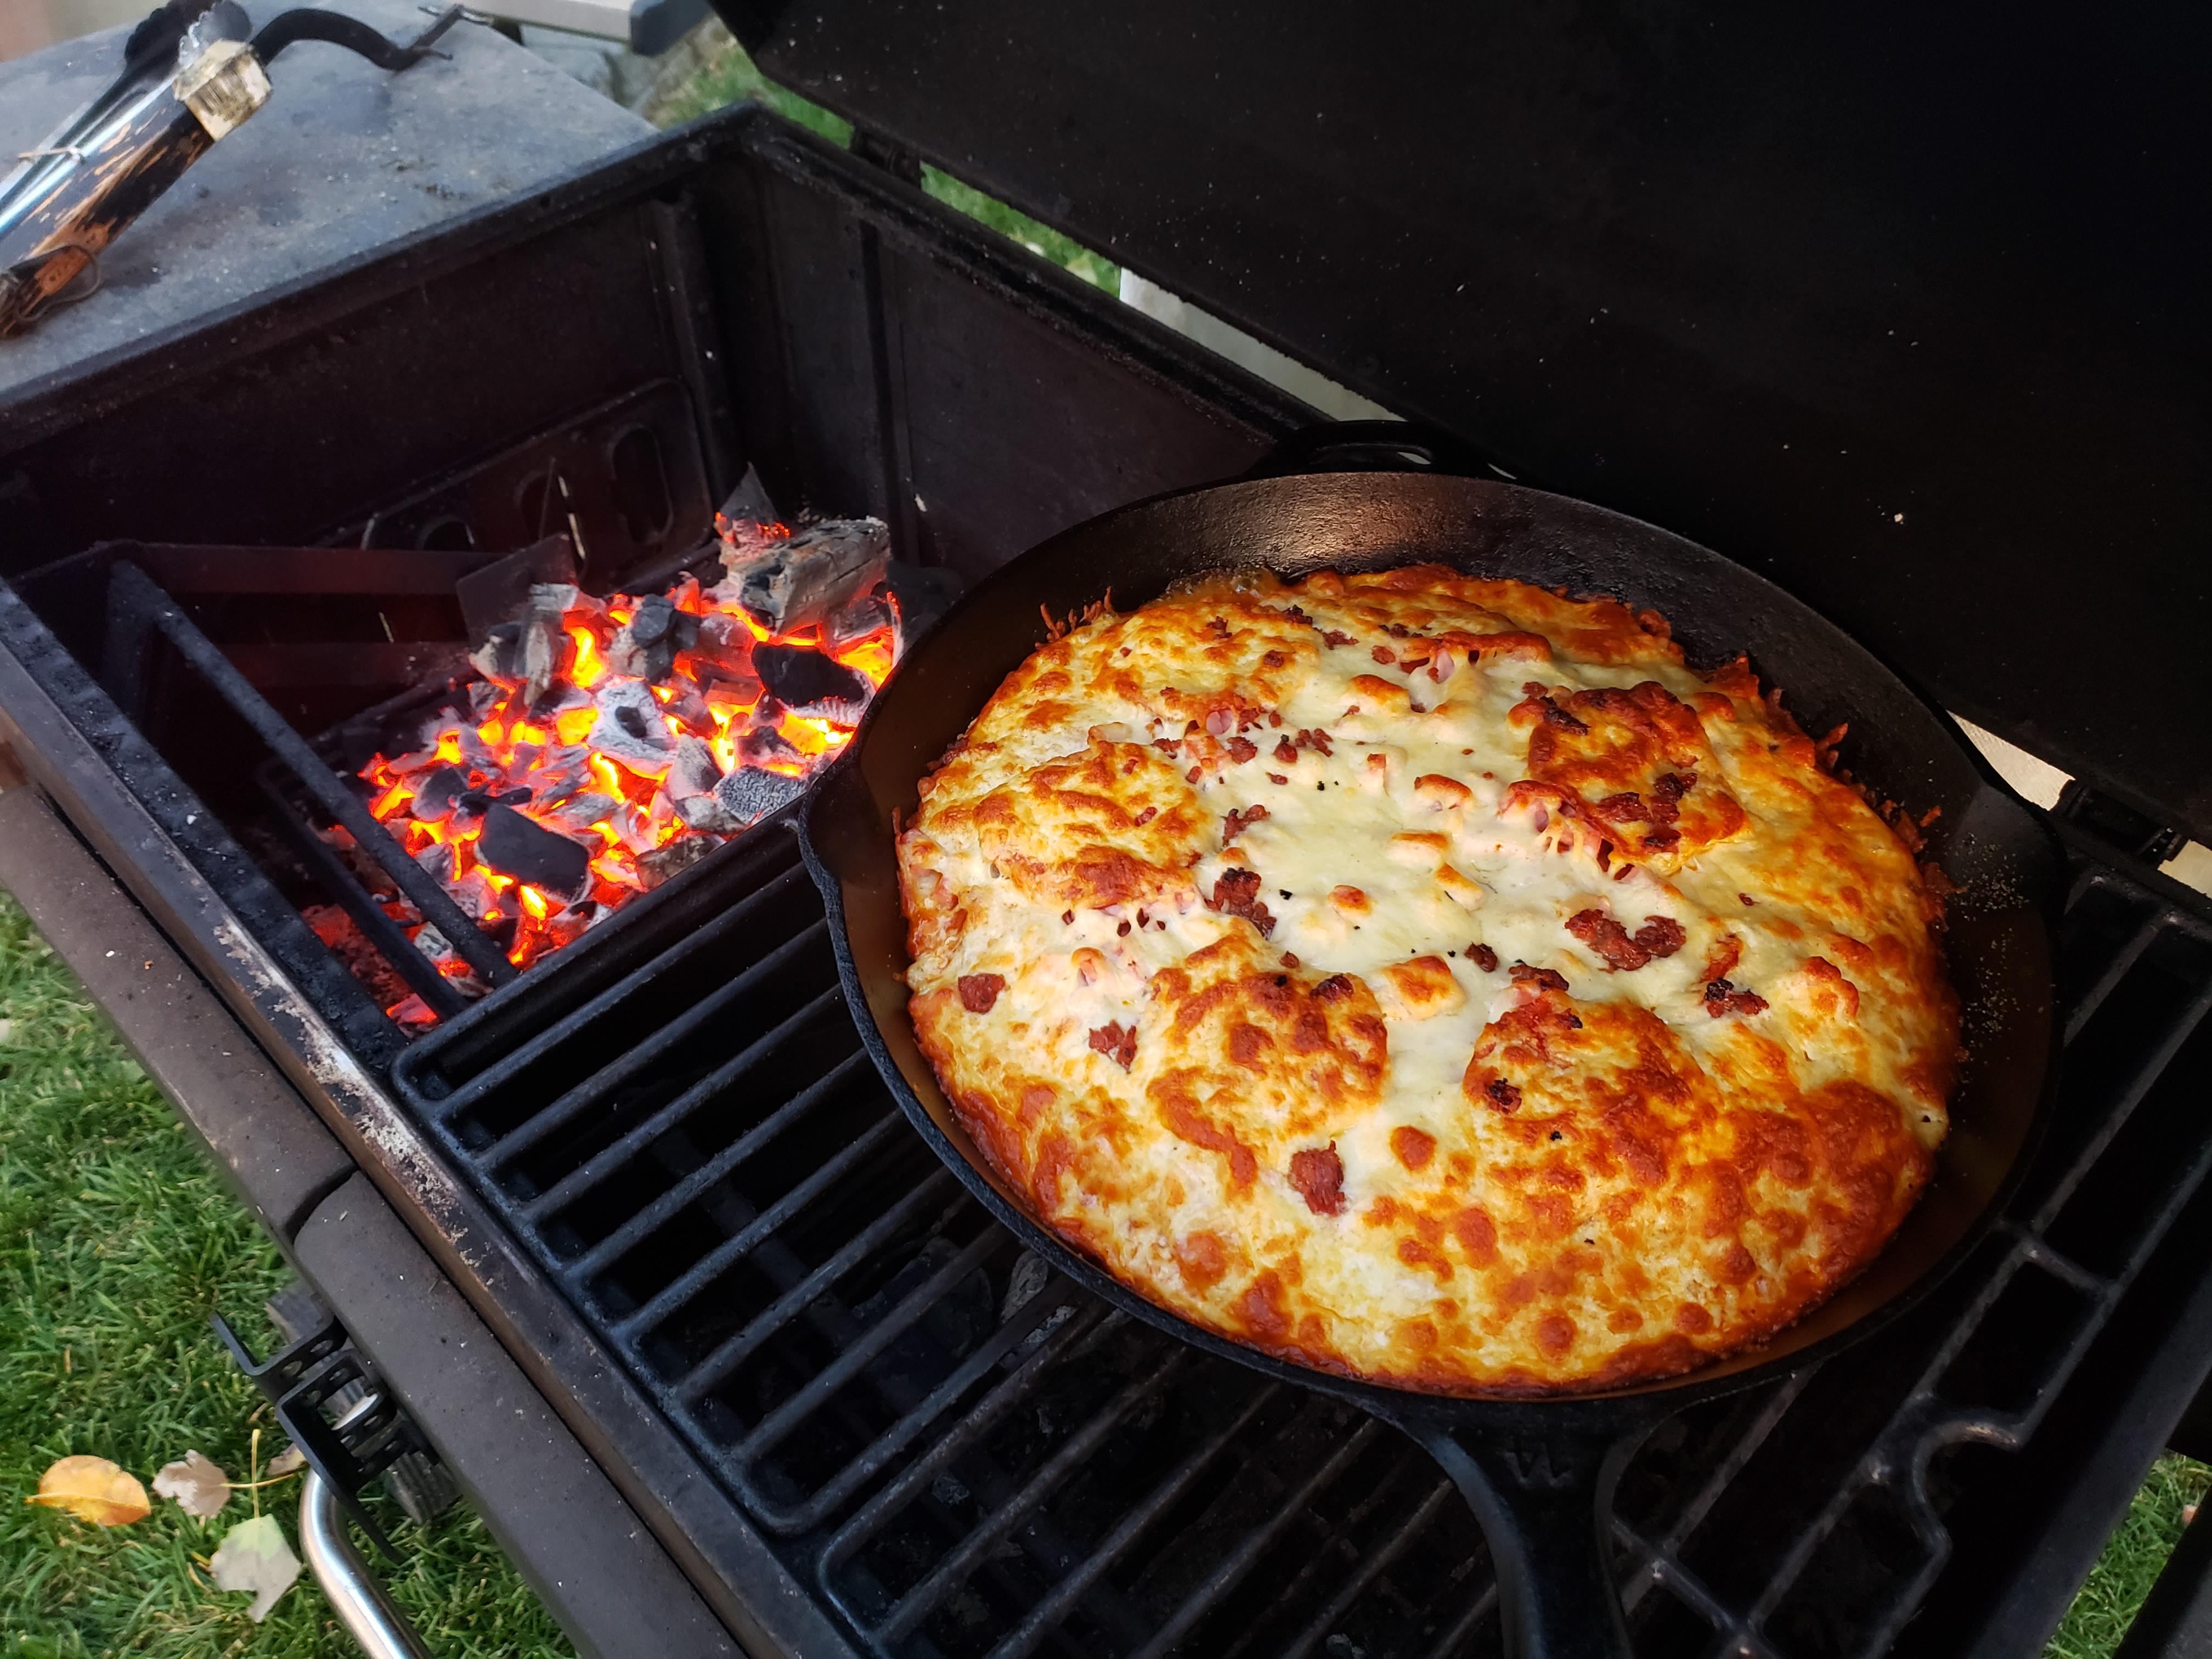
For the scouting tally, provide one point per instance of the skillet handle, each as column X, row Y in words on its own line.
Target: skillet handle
column 1544, row 1495
column 1371, row 446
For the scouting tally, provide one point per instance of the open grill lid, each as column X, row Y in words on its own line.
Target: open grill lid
column 1901, row 306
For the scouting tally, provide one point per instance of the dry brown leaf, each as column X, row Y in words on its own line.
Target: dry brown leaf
column 285, row 1462
column 197, row 1482
column 253, row 1556
column 93, row 1489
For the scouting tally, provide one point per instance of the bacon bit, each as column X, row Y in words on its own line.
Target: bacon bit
column 1297, row 613
column 1626, row 807
column 1384, row 653
column 1238, row 822
column 1277, row 777
column 1289, row 960
column 1168, row 745
column 1722, row 998
column 1236, row 893
column 1398, row 630
column 1317, row 739
column 1502, row 1095
column 1191, row 776
column 1146, row 816
column 1746, row 898
column 1117, row 1042
column 1318, row 1174
column 1067, row 918
column 1661, row 840
column 1621, row 954
column 1334, row 988
column 1274, row 719
column 1219, row 628
column 1286, row 751
column 1538, row 701
column 1483, row 957
column 1121, row 931
column 1544, row 979
column 1242, row 749
column 1660, row 935
column 1666, row 795
column 1331, row 638
column 979, row 991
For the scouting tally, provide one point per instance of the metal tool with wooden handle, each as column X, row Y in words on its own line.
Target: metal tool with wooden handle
column 193, row 72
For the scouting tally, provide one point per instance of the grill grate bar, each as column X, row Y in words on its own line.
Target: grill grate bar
column 661, row 1209
column 1453, row 1641
column 965, row 1434
column 1240, row 1561
column 1055, row 1342
column 701, row 1272
column 595, row 1089
column 2124, row 1100
column 132, row 587
column 886, row 1330
column 2122, row 962
column 1024, row 1636
column 917, row 1603
column 1373, row 1564
column 511, row 1064
column 389, row 938
column 618, row 1152
column 733, row 1350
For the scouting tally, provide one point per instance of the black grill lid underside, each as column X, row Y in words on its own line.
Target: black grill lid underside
column 1899, row 305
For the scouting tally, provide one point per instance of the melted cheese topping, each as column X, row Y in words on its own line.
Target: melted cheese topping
column 1429, row 978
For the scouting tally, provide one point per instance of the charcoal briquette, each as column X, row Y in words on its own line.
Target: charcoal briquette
column 810, row 683
column 515, row 845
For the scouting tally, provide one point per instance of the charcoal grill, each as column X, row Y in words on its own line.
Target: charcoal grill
column 638, row 1238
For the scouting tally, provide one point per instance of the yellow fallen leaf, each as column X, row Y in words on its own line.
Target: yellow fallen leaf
column 93, row 1489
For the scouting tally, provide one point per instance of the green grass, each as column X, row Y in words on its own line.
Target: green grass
column 116, row 1242
column 732, row 75
column 2106, row 1604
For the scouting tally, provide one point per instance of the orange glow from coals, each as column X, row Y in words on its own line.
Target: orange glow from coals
column 546, row 748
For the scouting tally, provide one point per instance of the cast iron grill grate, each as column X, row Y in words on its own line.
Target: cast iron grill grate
column 967, row 1456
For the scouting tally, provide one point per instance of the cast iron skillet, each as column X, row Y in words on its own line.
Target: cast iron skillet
column 1539, row 1473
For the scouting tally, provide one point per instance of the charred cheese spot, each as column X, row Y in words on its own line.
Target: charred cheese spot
column 1255, row 1065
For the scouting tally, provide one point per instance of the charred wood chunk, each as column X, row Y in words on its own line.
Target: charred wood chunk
column 808, row 682
column 761, row 744
column 580, row 812
column 672, row 859
column 870, row 613
column 788, row 584
column 748, row 794
column 693, row 772
column 515, row 845
column 499, row 659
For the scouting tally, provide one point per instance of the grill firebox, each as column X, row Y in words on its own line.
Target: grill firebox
column 661, row 1166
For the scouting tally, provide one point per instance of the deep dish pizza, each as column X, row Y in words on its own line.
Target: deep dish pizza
column 1429, row 978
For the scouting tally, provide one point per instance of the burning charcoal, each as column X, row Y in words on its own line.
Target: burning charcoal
column 497, row 591
column 630, row 728
column 646, row 648
column 687, row 707
column 642, row 831
column 808, row 682
column 765, row 742
column 515, row 845
column 693, row 772
column 727, row 643
column 482, row 695
column 437, row 861
column 788, row 583
column 434, row 798
column 499, row 659
column 583, row 811
column 477, row 896
column 664, row 863
column 542, row 641
column 870, row 613
column 750, row 795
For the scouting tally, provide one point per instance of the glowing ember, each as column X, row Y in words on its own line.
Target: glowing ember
column 612, row 743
